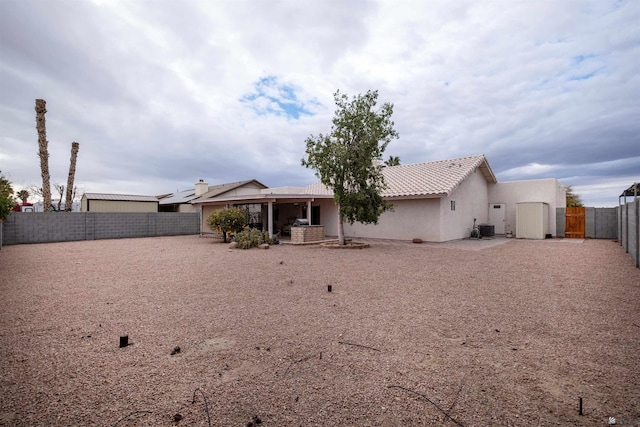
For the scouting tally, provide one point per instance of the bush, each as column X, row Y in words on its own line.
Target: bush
column 252, row 237
column 227, row 221
column 6, row 204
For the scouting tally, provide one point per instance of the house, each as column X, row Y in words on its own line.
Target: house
column 100, row 202
column 433, row 201
column 181, row 201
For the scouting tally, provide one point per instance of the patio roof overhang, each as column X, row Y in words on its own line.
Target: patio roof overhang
column 262, row 198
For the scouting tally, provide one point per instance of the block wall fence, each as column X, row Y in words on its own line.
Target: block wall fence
column 48, row 227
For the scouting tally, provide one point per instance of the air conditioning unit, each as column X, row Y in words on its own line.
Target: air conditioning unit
column 487, row 230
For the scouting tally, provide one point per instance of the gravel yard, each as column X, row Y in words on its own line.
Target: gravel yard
column 513, row 334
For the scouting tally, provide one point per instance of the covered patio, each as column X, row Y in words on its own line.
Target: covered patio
column 275, row 213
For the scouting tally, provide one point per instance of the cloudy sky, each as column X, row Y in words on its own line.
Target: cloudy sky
column 161, row 93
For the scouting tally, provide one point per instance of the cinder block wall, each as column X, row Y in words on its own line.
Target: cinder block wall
column 630, row 230
column 561, row 223
column 45, row 227
column 600, row 223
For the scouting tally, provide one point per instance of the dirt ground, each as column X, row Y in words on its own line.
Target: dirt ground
column 502, row 333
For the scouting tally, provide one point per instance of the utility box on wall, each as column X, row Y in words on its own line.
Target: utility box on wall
column 532, row 220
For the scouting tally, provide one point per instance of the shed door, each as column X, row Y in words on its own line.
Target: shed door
column 498, row 216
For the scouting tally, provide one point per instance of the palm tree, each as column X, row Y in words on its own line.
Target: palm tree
column 23, row 195
column 41, row 109
column 72, row 172
column 392, row 161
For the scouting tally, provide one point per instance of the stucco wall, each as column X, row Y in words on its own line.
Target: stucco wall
column 206, row 211
column 328, row 216
column 471, row 201
column 186, row 208
column 409, row 219
column 548, row 191
column 432, row 220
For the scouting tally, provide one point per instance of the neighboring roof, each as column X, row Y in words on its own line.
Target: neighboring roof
column 430, row 179
column 120, row 197
column 634, row 190
column 178, row 198
column 189, row 196
column 215, row 190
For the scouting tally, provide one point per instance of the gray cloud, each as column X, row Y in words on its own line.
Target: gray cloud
column 161, row 96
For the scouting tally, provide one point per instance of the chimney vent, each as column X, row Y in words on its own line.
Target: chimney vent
column 201, row 187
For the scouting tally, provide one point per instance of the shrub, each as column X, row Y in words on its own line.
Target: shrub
column 227, row 221
column 252, row 237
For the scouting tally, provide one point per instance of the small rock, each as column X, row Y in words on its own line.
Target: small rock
column 264, row 246
column 175, row 351
column 177, row 417
column 233, row 245
column 257, row 420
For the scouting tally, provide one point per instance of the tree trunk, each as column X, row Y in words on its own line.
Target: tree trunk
column 60, row 189
column 41, row 109
column 72, row 173
column 341, row 240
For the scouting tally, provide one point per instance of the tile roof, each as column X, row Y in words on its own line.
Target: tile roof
column 120, row 197
column 430, row 179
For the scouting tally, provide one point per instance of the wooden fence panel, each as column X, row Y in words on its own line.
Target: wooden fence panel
column 575, row 223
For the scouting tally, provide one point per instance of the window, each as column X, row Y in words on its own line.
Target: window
column 453, row 205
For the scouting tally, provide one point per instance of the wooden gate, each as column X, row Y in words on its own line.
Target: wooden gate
column 574, row 223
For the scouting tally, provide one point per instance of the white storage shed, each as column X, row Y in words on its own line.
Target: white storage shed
column 532, row 220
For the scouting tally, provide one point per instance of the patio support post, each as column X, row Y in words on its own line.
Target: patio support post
column 201, row 219
column 309, row 211
column 270, row 217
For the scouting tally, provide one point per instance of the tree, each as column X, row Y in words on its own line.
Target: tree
column 227, row 220
column 23, row 195
column 392, row 161
column 60, row 190
column 343, row 159
column 6, row 198
column 573, row 200
column 41, row 109
column 72, row 173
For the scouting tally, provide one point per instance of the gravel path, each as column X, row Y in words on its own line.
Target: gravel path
column 513, row 334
